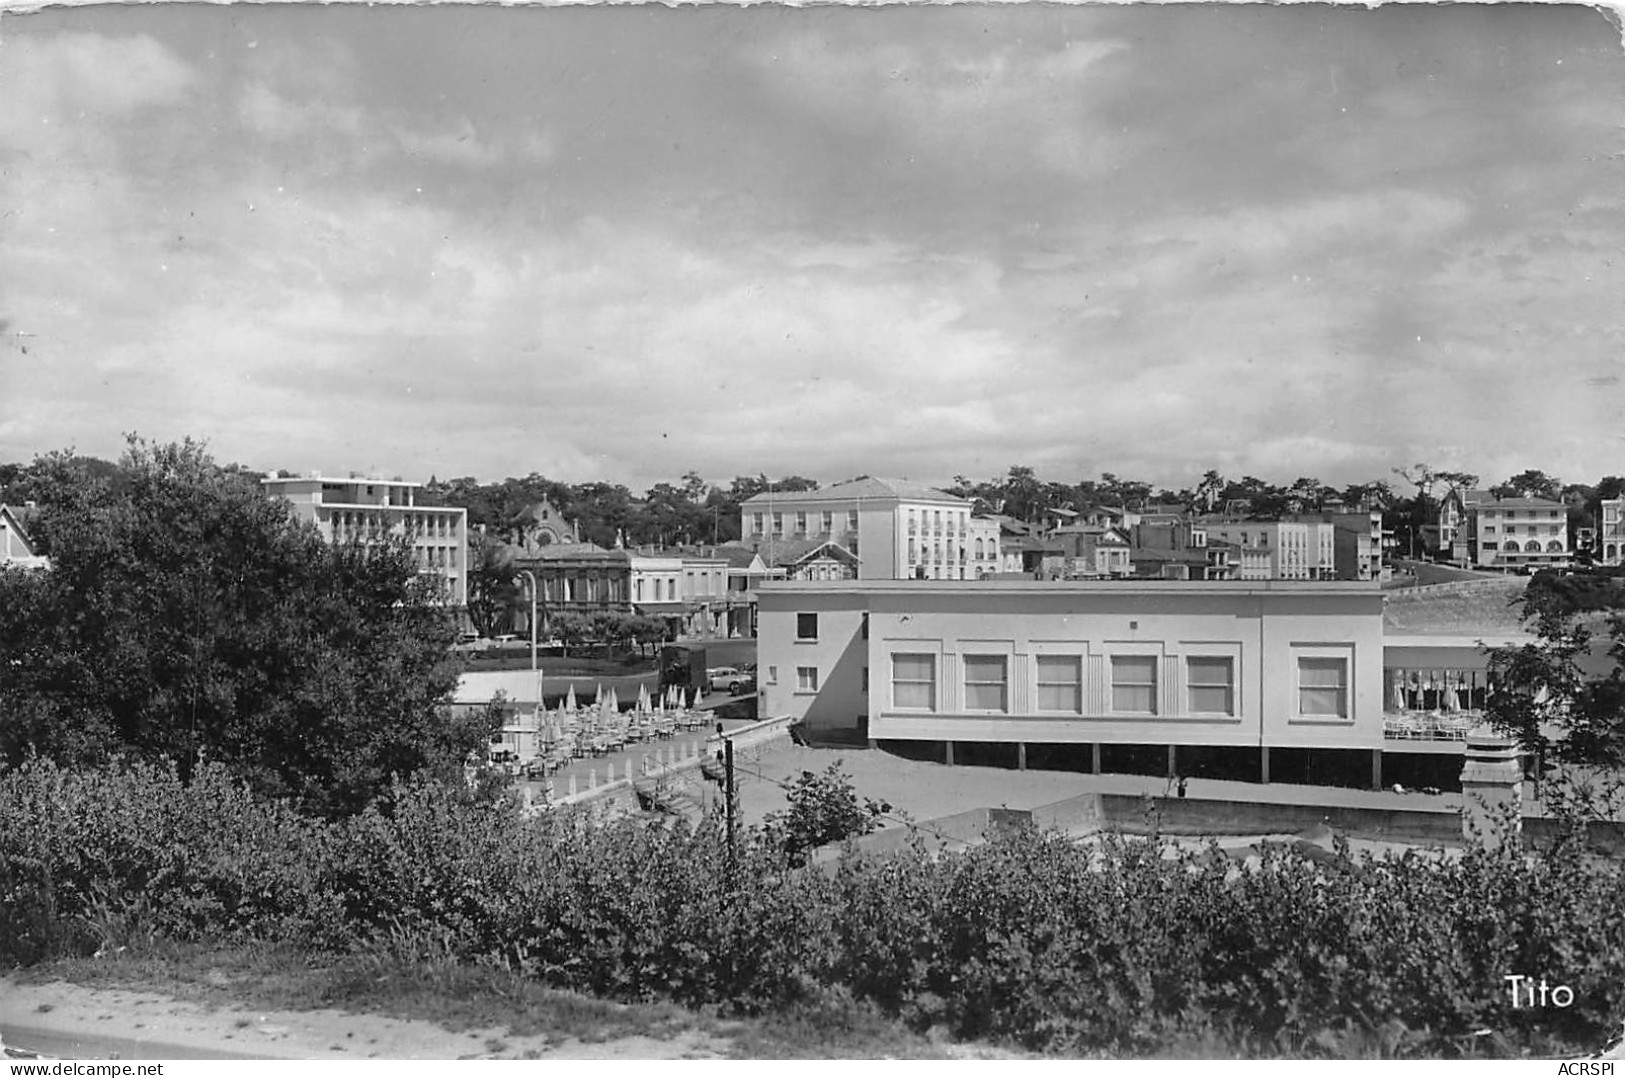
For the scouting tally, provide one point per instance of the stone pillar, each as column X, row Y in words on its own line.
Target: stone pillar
column 1376, row 769
column 1173, row 760
column 1491, row 785
column 1264, row 765
column 1094, row 758
column 948, row 753
column 1021, row 756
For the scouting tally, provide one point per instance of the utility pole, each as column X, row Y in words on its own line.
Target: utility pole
column 533, row 589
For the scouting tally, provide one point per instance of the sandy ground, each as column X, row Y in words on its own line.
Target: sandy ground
column 63, row 1020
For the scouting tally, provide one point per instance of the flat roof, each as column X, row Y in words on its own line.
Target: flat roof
column 366, row 480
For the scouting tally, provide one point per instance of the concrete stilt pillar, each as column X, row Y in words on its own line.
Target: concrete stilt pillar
column 1264, row 765
column 1491, row 786
column 1094, row 758
column 948, row 753
column 1376, row 769
column 1021, row 756
column 1173, row 760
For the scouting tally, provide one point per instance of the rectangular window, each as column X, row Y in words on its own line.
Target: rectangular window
column 757, row 523
column 1323, row 687
column 986, row 683
column 801, row 523
column 852, row 520
column 806, row 626
column 828, row 521
column 778, row 524
column 806, row 679
column 1134, row 684
column 914, row 682
column 1060, row 683
column 772, row 675
column 1211, row 681
column 865, row 679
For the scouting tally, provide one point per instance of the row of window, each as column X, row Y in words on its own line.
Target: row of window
column 1529, row 529
column 665, row 590
column 824, row 520
column 438, row 557
column 1210, row 684
column 1531, row 547
column 931, row 520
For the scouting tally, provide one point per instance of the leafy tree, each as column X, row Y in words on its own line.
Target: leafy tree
column 1563, row 696
column 1209, row 489
column 188, row 615
column 821, row 809
column 494, row 590
column 1532, row 483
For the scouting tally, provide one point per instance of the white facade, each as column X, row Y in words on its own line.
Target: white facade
column 899, row 530
column 655, row 580
column 1295, row 550
column 1284, row 664
column 363, row 508
column 1610, row 543
column 984, row 547
column 1511, row 533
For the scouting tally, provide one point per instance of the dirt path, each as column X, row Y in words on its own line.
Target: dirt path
column 72, row 1021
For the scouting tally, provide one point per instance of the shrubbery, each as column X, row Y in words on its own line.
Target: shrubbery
column 1122, row 947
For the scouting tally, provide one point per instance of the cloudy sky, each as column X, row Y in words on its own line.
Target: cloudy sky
column 622, row 243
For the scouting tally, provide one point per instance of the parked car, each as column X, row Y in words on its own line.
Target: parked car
column 718, row 678
column 743, row 685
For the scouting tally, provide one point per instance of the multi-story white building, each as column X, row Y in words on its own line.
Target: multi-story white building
column 984, row 547
column 366, row 507
column 1610, row 541
column 1519, row 533
column 1296, row 549
column 897, row 529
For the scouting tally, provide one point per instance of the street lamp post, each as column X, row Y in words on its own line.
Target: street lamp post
column 533, row 589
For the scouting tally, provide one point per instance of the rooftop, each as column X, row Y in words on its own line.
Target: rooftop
column 347, row 480
column 855, row 489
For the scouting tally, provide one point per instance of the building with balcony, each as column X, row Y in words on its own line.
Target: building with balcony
column 896, row 529
column 1609, row 543
column 1356, row 541
column 1291, row 680
column 1281, row 549
column 1522, row 534
column 363, row 508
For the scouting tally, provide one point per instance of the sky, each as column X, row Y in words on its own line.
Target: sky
column 622, row 243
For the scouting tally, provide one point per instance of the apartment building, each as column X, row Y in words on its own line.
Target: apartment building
column 1519, row 534
column 897, row 530
column 368, row 507
column 1356, row 541
column 1280, row 549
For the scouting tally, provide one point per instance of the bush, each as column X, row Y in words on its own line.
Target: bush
column 1125, row 947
